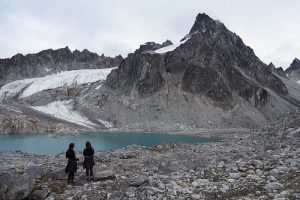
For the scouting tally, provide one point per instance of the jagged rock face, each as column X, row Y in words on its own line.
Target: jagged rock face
column 152, row 46
column 204, row 80
column 52, row 61
column 293, row 72
column 142, row 73
column 214, row 62
column 212, row 44
column 295, row 66
column 278, row 71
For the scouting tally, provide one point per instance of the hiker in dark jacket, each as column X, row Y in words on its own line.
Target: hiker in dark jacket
column 88, row 162
column 72, row 163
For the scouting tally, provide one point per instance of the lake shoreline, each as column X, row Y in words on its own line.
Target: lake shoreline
column 213, row 170
column 49, row 144
column 193, row 132
column 258, row 164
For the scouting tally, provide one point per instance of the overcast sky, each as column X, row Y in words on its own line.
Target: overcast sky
column 270, row 27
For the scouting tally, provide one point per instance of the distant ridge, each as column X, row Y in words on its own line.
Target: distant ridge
column 52, row 61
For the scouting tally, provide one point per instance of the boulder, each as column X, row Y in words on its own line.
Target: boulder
column 201, row 182
column 104, row 175
column 195, row 196
column 40, row 194
column 13, row 186
column 234, row 175
column 257, row 164
column 138, row 181
column 274, row 186
column 35, row 171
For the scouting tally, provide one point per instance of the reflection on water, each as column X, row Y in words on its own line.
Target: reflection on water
column 101, row 141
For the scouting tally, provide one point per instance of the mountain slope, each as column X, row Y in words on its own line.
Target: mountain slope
column 213, row 62
column 211, row 76
column 52, row 61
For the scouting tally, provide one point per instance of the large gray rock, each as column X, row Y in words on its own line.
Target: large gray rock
column 138, row 181
column 59, row 175
column 104, row 175
column 235, row 175
column 35, row 171
column 15, row 186
column 201, row 183
column 257, row 164
column 274, row 186
column 40, row 194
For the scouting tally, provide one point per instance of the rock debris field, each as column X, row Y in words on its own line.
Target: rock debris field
column 258, row 164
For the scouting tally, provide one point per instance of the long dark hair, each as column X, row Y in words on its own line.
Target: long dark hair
column 88, row 145
column 71, row 146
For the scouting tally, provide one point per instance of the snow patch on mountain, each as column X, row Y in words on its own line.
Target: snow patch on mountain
column 64, row 110
column 171, row 47
column 28, row 87
column 106, row 123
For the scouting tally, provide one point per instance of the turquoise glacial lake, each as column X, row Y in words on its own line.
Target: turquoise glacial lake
column 47, row 144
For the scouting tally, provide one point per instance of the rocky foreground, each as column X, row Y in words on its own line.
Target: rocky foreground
column 259, row 164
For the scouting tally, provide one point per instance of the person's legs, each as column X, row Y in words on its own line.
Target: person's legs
column 87, row 171
column 71, row 177
column 91, row 171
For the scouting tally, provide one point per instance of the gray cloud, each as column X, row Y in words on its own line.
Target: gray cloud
column 270, row 27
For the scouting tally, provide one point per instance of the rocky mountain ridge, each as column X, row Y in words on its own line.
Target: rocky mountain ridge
column 149, row 47
column 52, row 61
column 214, row 62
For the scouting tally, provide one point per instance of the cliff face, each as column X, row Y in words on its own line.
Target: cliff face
column 52, row 61
column 295, row 66
column 293, row 71
column 212, row 62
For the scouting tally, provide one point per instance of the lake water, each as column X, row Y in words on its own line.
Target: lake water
column 46, row 144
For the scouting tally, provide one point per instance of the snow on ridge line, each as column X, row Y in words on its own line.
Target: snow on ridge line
column 67, row 78
column 171, row 47
column 64, row 110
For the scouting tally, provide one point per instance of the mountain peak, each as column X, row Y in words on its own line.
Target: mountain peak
column 295, row 65
column 66, row 49
column 202, row 17
column 296, row 61
column 203, row 23
column 211, row 64
column 271, row 65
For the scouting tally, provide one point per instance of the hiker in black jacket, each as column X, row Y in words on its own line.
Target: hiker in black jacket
column 72, row 163
column 88, row 162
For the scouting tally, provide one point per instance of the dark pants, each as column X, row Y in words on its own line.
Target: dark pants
column 89, row 171
column 71, row 176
